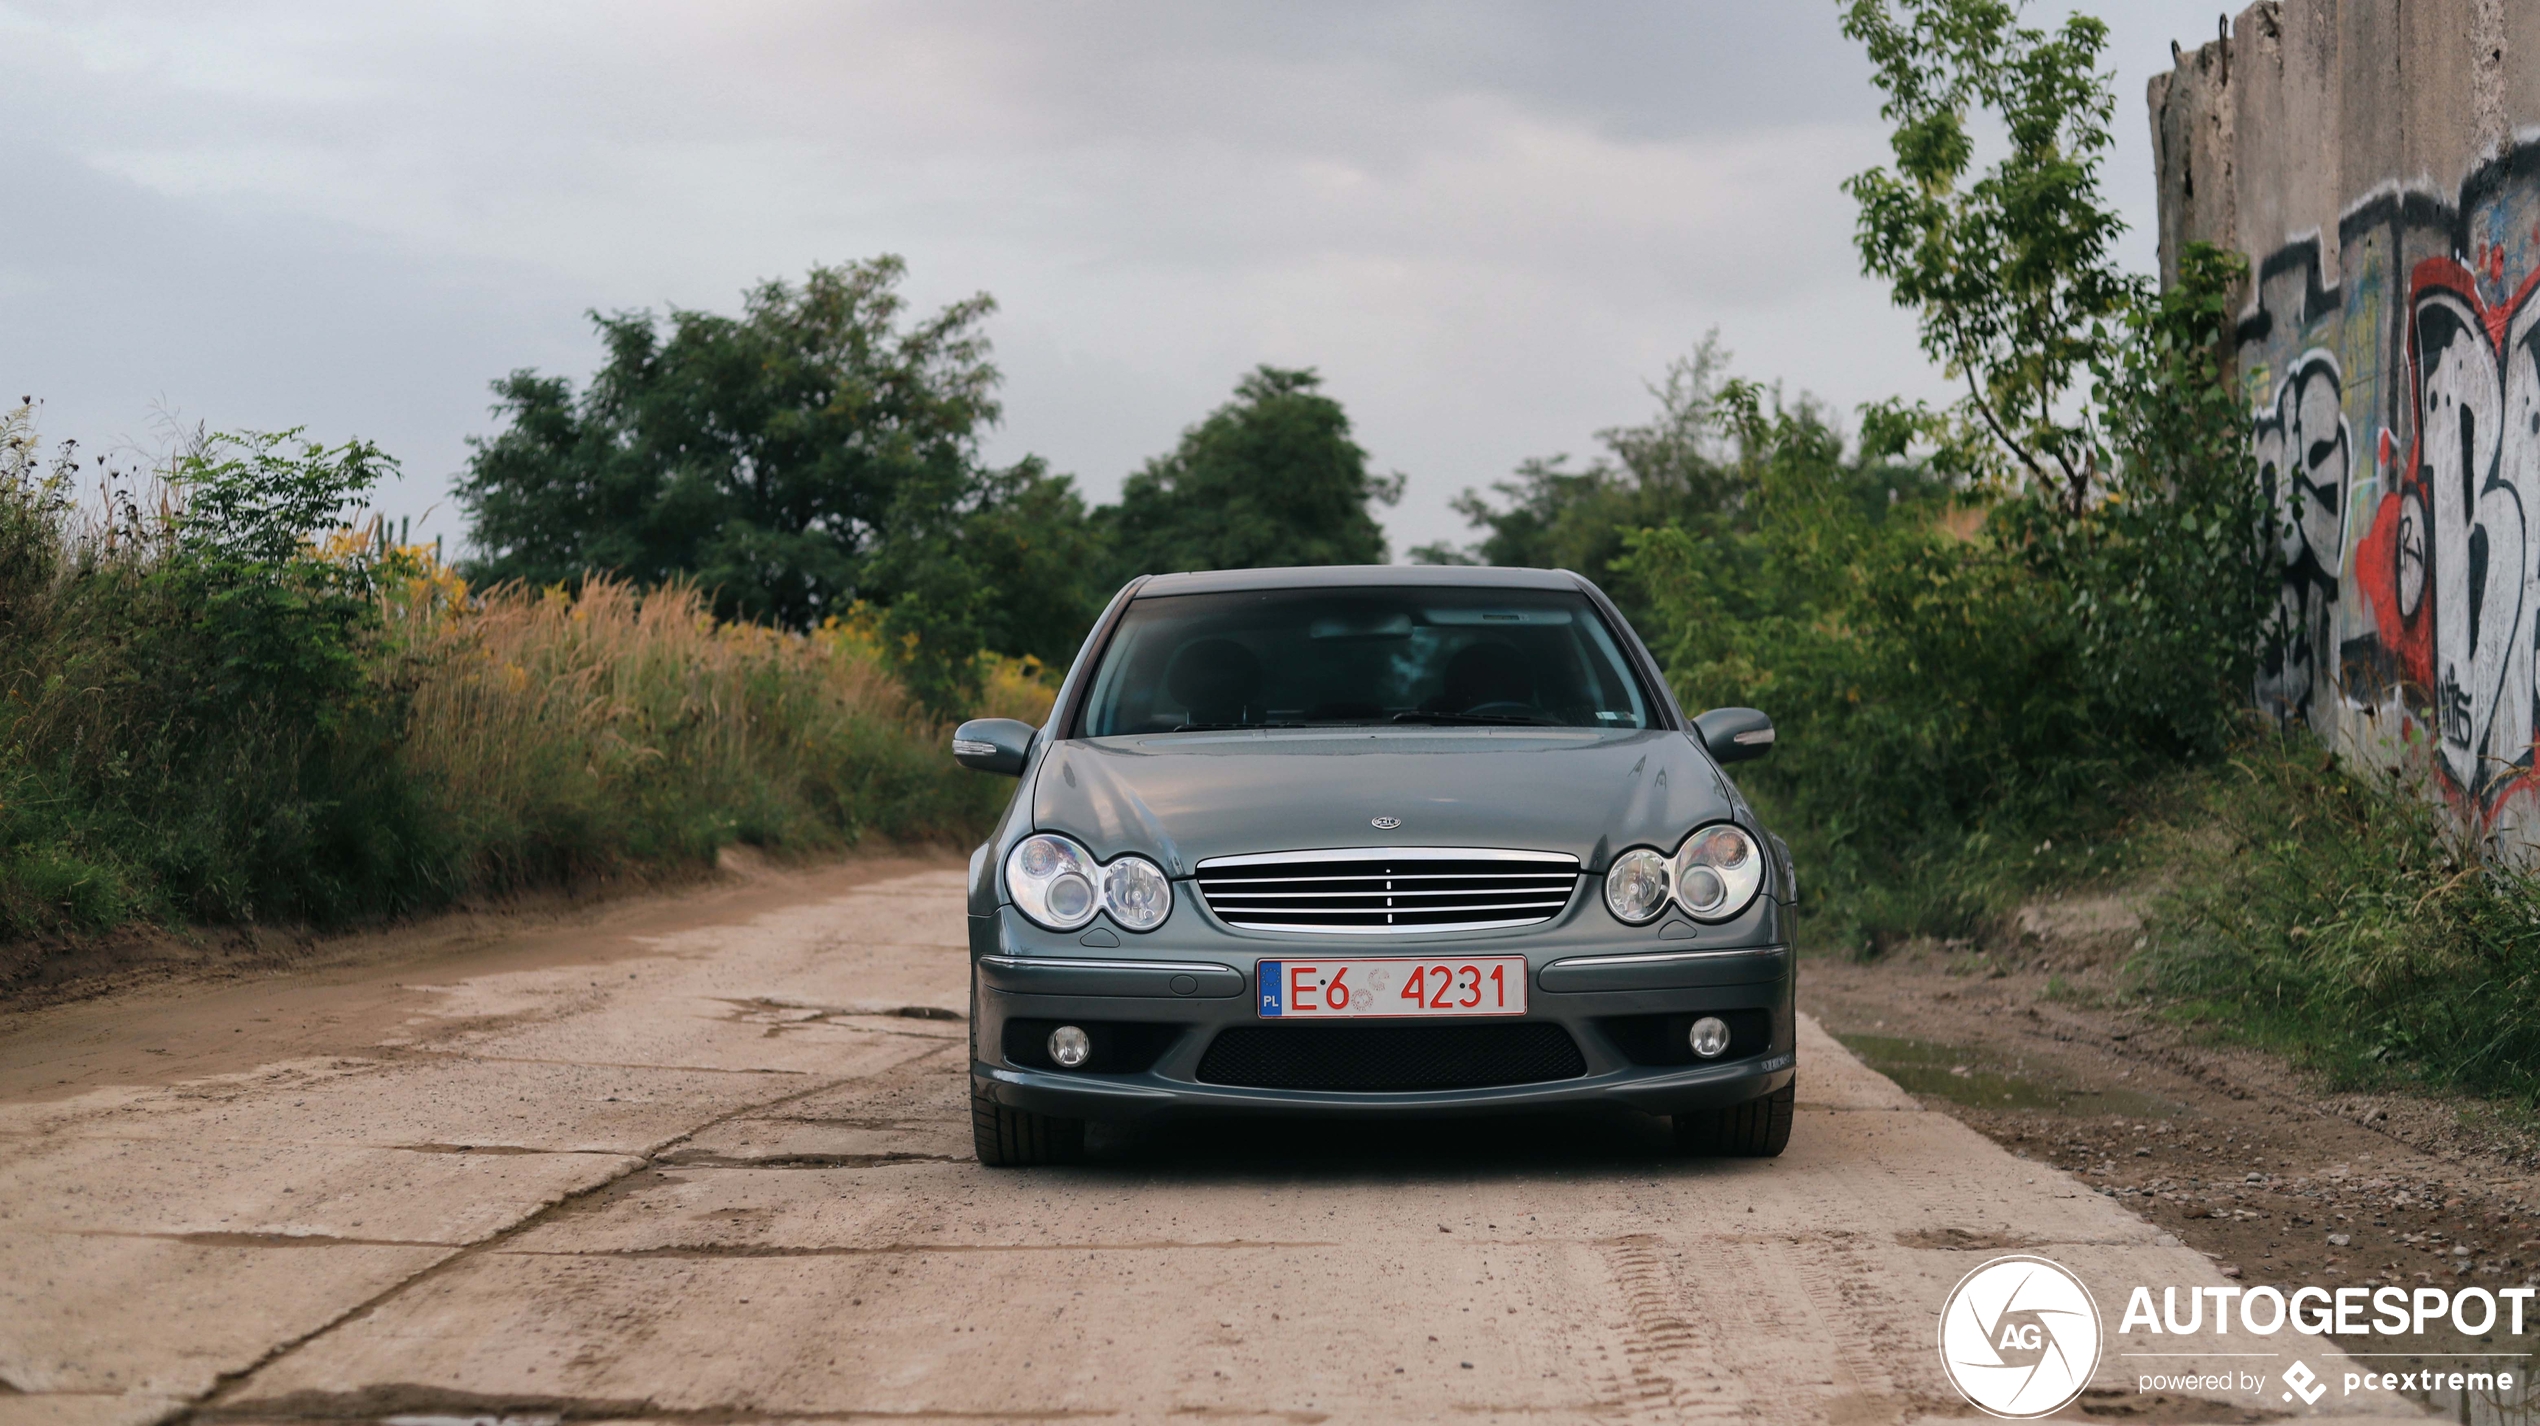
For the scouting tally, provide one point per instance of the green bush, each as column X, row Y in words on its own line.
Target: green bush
column 212, row 710
column 1963, row 673
column 188, row 728
column 1924, row 679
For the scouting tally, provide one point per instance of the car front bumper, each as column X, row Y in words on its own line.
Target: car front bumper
column 1188, row 988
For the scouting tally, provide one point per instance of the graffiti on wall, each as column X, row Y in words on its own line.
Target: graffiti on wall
column 2396, row 416
column 2303, row 450
column 2476, row 480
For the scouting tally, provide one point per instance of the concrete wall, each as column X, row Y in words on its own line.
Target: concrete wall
column 2378, row 163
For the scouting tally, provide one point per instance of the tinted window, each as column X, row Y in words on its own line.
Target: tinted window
column 1339, row 657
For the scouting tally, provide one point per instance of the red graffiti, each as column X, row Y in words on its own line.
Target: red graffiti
column 2377, row 576
column 2451, row 564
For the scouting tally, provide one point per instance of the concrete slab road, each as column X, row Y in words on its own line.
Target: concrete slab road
column 712, row 1163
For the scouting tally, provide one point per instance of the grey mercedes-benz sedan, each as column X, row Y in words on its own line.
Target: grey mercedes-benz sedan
column 1374, row 840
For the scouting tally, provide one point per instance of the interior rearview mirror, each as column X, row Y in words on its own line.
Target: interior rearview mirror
column 1735, row 735
column 993, row 745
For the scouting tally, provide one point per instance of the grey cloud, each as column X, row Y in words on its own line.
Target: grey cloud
column 1487, row 222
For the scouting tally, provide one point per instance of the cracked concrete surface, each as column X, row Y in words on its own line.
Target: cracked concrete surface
column 720, row 1170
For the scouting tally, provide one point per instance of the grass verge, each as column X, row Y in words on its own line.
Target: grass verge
column 2355, row 923
column 2352, row 921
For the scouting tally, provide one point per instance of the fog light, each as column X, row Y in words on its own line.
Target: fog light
column 1710, row 1037
column 1071, row 1047
column 1071, row 897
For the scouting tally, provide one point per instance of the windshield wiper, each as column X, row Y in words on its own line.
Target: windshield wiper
column 1227, row 727
column 1475, row 719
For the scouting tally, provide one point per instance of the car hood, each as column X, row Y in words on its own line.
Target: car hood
column 1185, row 797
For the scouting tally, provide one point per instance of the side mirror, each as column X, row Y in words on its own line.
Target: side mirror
column 993, row 745
column 1735, row 735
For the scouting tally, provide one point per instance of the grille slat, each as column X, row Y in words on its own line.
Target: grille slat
column 1383, row 898
column 1389, row 890
column 1233, row 909
column 1310, row 879
column 1378, row 1058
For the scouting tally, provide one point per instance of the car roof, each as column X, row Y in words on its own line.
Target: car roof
column 1358, row 576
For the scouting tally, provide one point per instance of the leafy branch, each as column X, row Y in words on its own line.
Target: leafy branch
column 2011, row 270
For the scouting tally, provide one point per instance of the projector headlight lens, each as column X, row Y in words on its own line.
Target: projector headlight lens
column 1636, row 886
column 1718, row 871
column 1136, row 893
column 1052, row 881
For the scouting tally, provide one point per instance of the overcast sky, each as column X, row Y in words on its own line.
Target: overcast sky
column 1486, row 223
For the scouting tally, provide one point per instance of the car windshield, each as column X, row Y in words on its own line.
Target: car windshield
column 1346, row 657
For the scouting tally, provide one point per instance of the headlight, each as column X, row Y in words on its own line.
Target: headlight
column 1056, row 884
column 1636, row 886
column 1136, row 894
column 1718, row 870
column 1053, row 881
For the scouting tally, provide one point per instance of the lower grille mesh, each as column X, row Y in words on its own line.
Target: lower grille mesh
column 1390, row 1057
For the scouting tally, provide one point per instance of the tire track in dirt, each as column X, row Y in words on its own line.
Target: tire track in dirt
column 1676, row 1356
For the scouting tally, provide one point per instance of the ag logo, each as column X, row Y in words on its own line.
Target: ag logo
column 1384, row 824
column 2019, row 1337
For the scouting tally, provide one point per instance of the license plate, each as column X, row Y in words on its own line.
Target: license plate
column 1347, row 989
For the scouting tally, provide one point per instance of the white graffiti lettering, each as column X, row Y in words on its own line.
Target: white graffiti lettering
column 2479, row 542
column 2305, row 452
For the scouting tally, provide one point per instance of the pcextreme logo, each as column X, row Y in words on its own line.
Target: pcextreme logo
column 2019, row 1337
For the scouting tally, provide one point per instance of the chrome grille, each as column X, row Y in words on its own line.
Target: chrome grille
column 1388, row 890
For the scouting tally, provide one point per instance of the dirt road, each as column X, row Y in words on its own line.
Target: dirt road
column 2043, row 1045
column 708, row 1160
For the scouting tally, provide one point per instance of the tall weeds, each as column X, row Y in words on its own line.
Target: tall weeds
column 604, row 730
column 220, row 704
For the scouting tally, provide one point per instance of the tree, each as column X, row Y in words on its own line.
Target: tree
column 1013, row 569
column 781, row 459
column 1667, row 471
column 2099, row 405
column 2013, row 273
column 1270, row 478
column 1682, row 469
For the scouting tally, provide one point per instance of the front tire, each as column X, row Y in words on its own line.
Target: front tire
column 1757, row 1129
column 1017, row 1138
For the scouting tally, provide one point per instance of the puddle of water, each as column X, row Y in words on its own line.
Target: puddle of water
column 1960, row 1074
